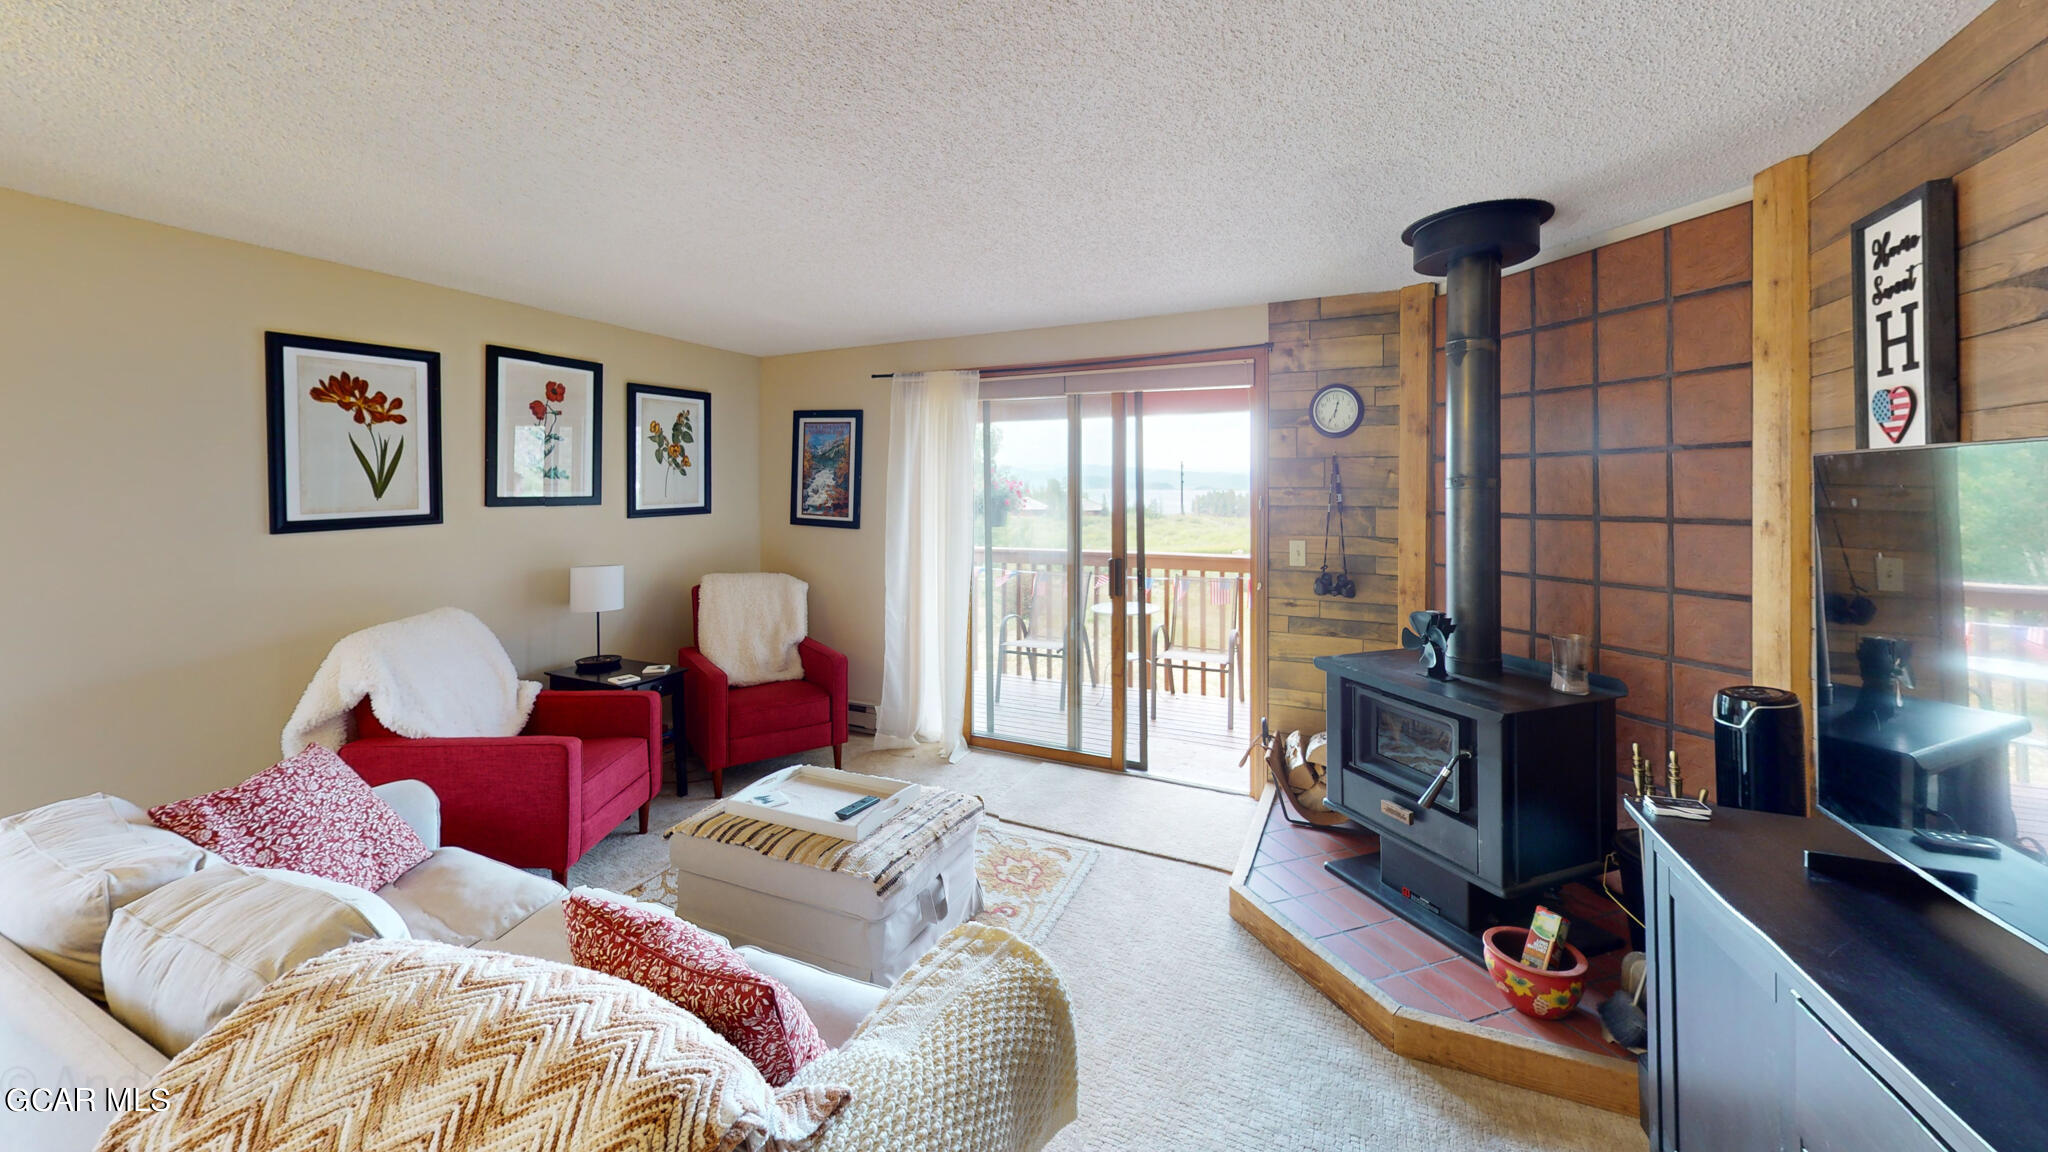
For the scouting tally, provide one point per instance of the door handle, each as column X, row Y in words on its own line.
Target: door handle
column 1116, row 574
column 1443, row 777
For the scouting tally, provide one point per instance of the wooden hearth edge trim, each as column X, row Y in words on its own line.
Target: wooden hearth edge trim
column 1601, row 1081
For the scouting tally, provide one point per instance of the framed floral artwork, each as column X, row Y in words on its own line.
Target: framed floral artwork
column 670, row 433
column 355, row 434
column 542, row 418
column 825, row 461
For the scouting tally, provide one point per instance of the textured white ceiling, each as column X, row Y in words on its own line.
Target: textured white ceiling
column 775, row 177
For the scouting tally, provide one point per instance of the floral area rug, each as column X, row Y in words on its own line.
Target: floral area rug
column 1026, row 879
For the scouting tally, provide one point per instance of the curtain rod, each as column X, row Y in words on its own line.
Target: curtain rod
column 1081, row 366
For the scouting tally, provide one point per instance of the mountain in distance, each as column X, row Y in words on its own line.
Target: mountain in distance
column 1095, row 477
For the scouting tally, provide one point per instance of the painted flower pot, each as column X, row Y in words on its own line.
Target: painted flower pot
column 1545, row 993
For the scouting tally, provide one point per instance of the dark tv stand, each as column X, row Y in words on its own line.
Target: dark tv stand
column 1855, row 1007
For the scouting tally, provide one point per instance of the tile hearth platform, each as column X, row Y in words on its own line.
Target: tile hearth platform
column 1411, row 992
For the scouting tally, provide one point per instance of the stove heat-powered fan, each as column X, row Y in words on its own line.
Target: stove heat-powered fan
column 1430, row 632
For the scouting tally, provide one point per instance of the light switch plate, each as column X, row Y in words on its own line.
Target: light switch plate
column 1297, row 553
column 1891, row 574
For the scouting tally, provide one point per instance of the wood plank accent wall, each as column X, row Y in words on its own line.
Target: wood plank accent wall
column 1781, row 564
column 1354, row 340
column 1418, row 337
column 1976, row 111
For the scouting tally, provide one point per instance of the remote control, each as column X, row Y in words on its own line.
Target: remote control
column 654, row 670
column 628, row 678
column 1957, row 843
column 857, row 807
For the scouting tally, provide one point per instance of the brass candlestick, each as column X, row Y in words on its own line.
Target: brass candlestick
column 1673, row 784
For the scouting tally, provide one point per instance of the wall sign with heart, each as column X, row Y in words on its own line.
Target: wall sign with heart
column 1904, row 301
column 1892, row 409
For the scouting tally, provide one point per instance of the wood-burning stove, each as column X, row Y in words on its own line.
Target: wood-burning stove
column 1486, row 788
column 1528, row 804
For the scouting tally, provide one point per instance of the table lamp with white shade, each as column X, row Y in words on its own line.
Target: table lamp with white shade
column 597, row 589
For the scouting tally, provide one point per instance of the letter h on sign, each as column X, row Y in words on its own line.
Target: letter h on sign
column 1904, row 291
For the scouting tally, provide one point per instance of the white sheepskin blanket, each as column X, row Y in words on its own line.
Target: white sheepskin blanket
column 441, row 673
column 749, row 624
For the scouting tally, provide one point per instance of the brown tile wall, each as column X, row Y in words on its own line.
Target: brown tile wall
column 1352, row 340
column 1625, row 409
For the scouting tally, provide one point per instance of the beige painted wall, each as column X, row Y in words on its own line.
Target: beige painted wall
column 844, row 567
column 157, row 636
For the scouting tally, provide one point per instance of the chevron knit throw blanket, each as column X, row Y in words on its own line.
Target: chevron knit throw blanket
column 891, row 852
column 405, row 1044
column 971, row 1051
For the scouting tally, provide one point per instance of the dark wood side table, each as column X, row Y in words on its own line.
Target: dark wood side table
column 669, row 684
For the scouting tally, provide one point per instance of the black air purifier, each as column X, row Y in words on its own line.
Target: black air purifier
column 1759, row 750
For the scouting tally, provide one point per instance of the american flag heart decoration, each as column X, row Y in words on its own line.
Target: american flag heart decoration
column 1892, row 408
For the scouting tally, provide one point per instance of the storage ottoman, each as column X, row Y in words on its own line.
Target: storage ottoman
column 865, row 909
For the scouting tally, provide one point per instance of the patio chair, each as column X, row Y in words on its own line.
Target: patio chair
column 1035, row 637
column 1174, row 649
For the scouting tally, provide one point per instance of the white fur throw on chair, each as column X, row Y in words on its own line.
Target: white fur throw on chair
column 441, row 673
column 749, row 624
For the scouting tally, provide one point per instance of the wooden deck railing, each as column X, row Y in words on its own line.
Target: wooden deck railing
column 2007, row 630
column 1201, row 598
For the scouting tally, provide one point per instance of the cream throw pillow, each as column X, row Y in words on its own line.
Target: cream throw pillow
column 184, row 956
column 69, row 866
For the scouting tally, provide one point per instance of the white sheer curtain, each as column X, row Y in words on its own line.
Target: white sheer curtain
column 928, row 568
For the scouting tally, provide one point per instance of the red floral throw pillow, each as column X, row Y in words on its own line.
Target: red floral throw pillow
column 309, row 814
column 701, row 974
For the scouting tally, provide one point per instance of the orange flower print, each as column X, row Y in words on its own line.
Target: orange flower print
column 671, row 453
column 557, row 392
column 351, row 394
column 384, row 411
column 539, row 410
column 344, row 391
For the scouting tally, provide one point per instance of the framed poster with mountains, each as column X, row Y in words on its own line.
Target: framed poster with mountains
column 825, row 461
column 542, row 428
column 355, row 434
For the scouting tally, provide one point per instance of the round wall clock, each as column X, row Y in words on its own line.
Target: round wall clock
column 1336, row 410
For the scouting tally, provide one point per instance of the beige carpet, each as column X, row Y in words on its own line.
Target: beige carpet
column 1197, row 825
column 1193, row 1036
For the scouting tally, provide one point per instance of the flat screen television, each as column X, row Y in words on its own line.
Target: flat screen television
column 1932, row 624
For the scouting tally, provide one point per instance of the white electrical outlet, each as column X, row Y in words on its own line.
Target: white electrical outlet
column 1891, row 574
column 1297, row 553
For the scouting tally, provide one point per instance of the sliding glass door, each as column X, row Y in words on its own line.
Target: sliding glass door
column 1084, row 646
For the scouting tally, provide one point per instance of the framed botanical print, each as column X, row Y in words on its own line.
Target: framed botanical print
column 669, row 430
column 824, row 483
column 542, row 428
column 355, row 434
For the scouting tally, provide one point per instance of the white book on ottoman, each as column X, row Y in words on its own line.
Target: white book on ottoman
column 807, row 797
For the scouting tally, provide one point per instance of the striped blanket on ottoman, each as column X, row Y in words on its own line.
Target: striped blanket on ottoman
column 864, row 909
column 893, row 851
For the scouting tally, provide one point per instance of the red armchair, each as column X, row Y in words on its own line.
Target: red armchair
column 730, row 725
column 542, row 798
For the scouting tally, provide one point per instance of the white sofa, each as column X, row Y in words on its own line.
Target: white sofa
column 66, row 1063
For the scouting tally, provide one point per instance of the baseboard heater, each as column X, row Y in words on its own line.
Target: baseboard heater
column 860, row 716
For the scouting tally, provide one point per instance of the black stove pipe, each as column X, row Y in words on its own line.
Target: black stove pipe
column 1469, row 246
